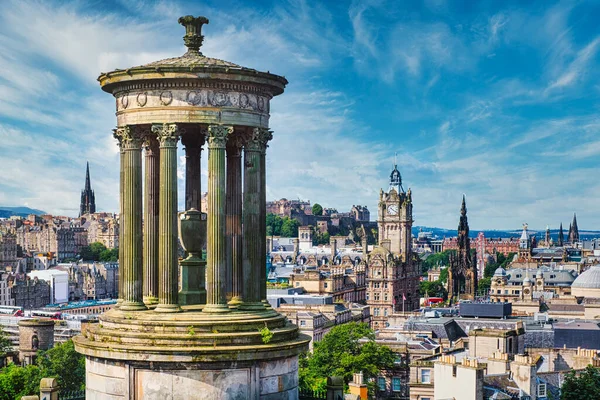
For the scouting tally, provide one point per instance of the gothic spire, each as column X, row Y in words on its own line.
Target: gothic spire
column 88, row 200
column 88, row 185
column 561, row 236
column 463, row 208
column 574, row 230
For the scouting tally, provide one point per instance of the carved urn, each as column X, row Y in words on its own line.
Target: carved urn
column 192, row 232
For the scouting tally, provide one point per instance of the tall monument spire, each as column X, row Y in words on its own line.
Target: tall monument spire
column 88, row 200
column 574, row 230
column 561, row 236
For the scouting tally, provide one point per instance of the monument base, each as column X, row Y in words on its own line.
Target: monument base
column 149, row 355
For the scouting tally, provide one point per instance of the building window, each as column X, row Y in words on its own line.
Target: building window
column 376, row 296
column 541, row 390
column 425, row 376
column 381, row 383
column 325, row 285
column 376, row 312
column 385, row 312
column 395, row 384
column 302, row 323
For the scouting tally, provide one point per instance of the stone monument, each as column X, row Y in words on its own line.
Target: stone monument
column 216, row 337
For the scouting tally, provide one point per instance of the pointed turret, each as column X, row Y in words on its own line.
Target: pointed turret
column 561, row 236
column 88, row 185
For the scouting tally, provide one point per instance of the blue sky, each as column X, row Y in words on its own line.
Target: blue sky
column 493, row 99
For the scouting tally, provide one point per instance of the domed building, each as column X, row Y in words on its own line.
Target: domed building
column 587, row 284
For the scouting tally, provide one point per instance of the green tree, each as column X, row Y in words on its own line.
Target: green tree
column 435, row 260
column 289, row 227
column 16, row 381
column 342, row 353
column 65, row 364
column 443, row 275
column 109, row 255
column 582, row 386
column 432, row 289
column 274, row 223
column 5, row 343
column 484, row 284
column 317, row 209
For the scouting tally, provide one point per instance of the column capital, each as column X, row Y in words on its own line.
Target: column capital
column 234, row 145
column 151, row 145
column 217, row 136
column 167, row 134
column 257, row 139
column 129, row 137
column 193, row 140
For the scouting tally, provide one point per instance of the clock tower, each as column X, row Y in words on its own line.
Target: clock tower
column 395, row 216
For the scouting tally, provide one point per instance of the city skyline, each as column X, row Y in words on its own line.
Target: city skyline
column 482, row 101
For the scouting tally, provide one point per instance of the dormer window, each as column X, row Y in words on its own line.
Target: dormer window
column 542, row 390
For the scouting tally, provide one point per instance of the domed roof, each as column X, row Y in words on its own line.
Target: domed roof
column 588, row 279
column 500, row 272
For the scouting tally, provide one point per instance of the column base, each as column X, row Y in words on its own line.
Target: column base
column 235, row 302
column 119, row 302
column 168, row 308
column 266, row 303
column 132, row 306
column 216, row 308
column 150, row 301
column 256, row 306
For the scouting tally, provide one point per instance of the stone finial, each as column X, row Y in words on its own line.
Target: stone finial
column 193, row 32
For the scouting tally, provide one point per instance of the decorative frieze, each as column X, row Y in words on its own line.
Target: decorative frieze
column 195, row 97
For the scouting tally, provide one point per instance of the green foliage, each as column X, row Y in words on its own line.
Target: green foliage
column 339, row 353
column 436, row 260
column 61, row 362
column 289, row 228
column 98, row 252
column 16, row 381
column 433, row 289
column 483, row 285
column 5, row 343
column 320, row 238
column 65, row 364
column 585, row 386
column 278, row 226
column 266, row 334
column 443, row 275
column 502, row 261
column 317, row 209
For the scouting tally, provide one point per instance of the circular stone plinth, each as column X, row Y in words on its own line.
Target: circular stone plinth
column 190, row 336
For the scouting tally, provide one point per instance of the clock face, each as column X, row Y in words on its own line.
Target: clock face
column 392, row 209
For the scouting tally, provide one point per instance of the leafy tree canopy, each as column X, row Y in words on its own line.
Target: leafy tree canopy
column 5, row 343
column 340, row 353
column 98, row 252
column 61, row 362
column 317, row 209
column 285, row 227
column 502, row 261
column 435, row 260
column 433, row 289
column 583, row 386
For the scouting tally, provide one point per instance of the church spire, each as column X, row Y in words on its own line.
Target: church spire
column 574, row 230
column 561, row 236
column 88, row 200
column 88, row 185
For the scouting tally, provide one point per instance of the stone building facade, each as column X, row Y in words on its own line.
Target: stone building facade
column 8, row 250
column 103, row 228
column 30, row 293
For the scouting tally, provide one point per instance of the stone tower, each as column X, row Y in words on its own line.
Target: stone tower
column 392, row 272
column 462, row 276
column 34, row 335
column 88, row 200
column 395, row 216
column 192, row 328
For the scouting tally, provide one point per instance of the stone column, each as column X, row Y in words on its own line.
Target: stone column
column 151, row 199
column 264, row 136
column 117, row 136
column 168, row 135
column 131, row 142
column 233, row 229
column 254, row 256
column 216, row 296
column 193, row 142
